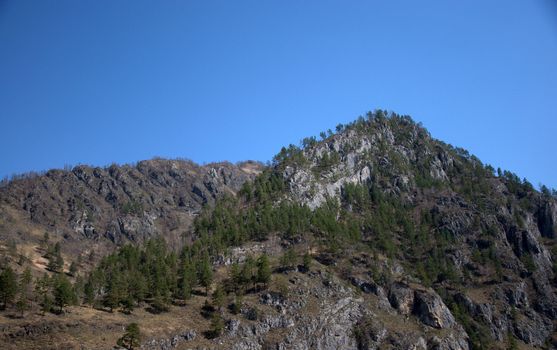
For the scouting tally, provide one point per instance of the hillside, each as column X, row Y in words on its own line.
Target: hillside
column 374, row 236
column 93, row 208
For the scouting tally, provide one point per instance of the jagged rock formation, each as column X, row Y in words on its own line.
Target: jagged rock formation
column 450, row 254
column 116, row 204
column 482, row 211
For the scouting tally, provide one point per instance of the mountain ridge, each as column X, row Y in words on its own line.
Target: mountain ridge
column 401, row 226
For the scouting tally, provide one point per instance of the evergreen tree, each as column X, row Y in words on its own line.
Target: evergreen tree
column 63, row 292
column 45, row 240
column 263, row 270
column 137, row 286
column 249, row 271
column 235, row 277
column 22, row 303
column 288, row 259
column 79, row 289
column 73, row 269
column 128, row 304
column 89, row 293
column 8, row 286
column 42, row 287
column 217, row 325
column 158, row 303
column 205, row 273
column 114, row 292
column 46, row 303
column 238, row 303
column 25, row 281
column 218, row 298
column 131, row 338
column 307, row 261
column 187, row 281
column 55, row 262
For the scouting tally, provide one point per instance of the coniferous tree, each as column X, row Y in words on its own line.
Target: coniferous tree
column 237, row 306
column 249, row 271
column 22, row 303
column 46, row 303
column 114, row 292
column 205, row 273
column 235, row 277
column 217, row 325
column 89, row 293
column 73, row 269
column 8, row 286
column 137, row 286
column 63, row 292
column 25, row 281
column 288, row 259
column 263, row 270
column 55, row 262
column 128, row 304
column 187, row 281
column 45, row 240
column 307, row 261
column 218, row 298
column 78, row 289
column 131, row 338
column 42, row 287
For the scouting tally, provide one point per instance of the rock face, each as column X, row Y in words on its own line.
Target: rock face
column 432, row 311
column 401, row 298
column 485, row 270
column 322, row 313
column 501, row 229
column 118, row 204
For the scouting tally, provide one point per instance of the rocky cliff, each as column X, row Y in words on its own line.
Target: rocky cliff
column 414, row 243
column 89, row 206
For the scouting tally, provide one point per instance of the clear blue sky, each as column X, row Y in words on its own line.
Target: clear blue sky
column 97, row 82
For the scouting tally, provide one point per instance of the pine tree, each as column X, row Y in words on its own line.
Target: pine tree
column 25, row 281
column 218, row 298
column 46, row 303
column 249, row 272
column 235, row 277
column 73, row 269
column 89, row 293
column 114, row 292
column 42, row 287
column 8, row 286
column 237, row 306
column 45, row 240
column 263, row 270
column 78, row 289
column 56, row 262
column 22, row 303
column 128, row 304
column 131, row 338
column 205, row 273
column 217, row 325
column 63, row 292
column 288, row 259
column 307, row 261
column 187, row 282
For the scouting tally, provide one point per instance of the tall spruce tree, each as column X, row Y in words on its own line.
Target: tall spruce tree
column 205, row 273
column 63, row 292
column 263, row 270
column 8, row 286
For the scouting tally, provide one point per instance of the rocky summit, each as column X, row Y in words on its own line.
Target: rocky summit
column 374, row 236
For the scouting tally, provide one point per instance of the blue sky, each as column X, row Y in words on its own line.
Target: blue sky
column 97, row 82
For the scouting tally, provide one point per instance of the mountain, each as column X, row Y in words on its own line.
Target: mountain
column 92, row 206
column 375, row 236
